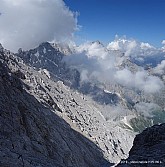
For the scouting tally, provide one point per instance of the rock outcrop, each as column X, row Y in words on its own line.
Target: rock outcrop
column 148, row 149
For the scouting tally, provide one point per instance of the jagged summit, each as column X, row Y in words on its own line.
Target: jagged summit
column 97, row 42
column 1, row 48
column 45, row 55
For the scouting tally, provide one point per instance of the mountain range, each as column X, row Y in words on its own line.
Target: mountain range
column 77, row 106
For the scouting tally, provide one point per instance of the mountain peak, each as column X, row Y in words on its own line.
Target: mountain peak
column 97, row 42
column 1, row 48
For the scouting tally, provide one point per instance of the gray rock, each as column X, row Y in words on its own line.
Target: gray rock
column 32, row 135
column 148, row 148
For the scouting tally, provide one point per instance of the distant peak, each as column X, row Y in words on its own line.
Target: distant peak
column 97, row 42
column 1, row 47
column 45, row 44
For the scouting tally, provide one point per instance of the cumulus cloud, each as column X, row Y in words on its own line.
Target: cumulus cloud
column 124, row 45
column 97, row 52
column 94, row 49
column 94, row 59
column 160, row 68
column 163, row 43
column 105, row 63
column 84, row 75
column 27, row 23
column 132, row 48
column 139, row 80
column 125, row 77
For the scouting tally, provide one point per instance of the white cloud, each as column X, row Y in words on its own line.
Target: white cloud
column 125, row 77
column 27, row 23
column 94, row 49
column 146, row 46
column 104, row 63
column 84, row 76
column 124, row 45
column 152, row 84
column 97, row 53
column 139, row 80
column 163, row 43
column 132, row 47
column 160, row 68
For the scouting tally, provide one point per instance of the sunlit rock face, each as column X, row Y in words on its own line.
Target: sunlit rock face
column 31, row 132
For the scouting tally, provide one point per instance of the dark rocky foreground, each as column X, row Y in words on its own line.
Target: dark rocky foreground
column 148, row 149
column 31, row 135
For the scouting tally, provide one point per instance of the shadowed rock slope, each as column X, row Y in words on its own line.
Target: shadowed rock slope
column 37, row 89
column 32, row 135
column 148, row 149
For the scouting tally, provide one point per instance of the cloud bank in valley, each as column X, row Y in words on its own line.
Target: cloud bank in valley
column 105, row 63
column 27, row 23
column 139, row 80
column 160, row 68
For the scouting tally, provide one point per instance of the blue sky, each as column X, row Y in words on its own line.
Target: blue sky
column 143, row 20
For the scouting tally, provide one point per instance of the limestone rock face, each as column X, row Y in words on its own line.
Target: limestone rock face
column 31, row 133
column 148, row 148
column 49, row 119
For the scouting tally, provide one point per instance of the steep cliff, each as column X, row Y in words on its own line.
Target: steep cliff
column 148, row 148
